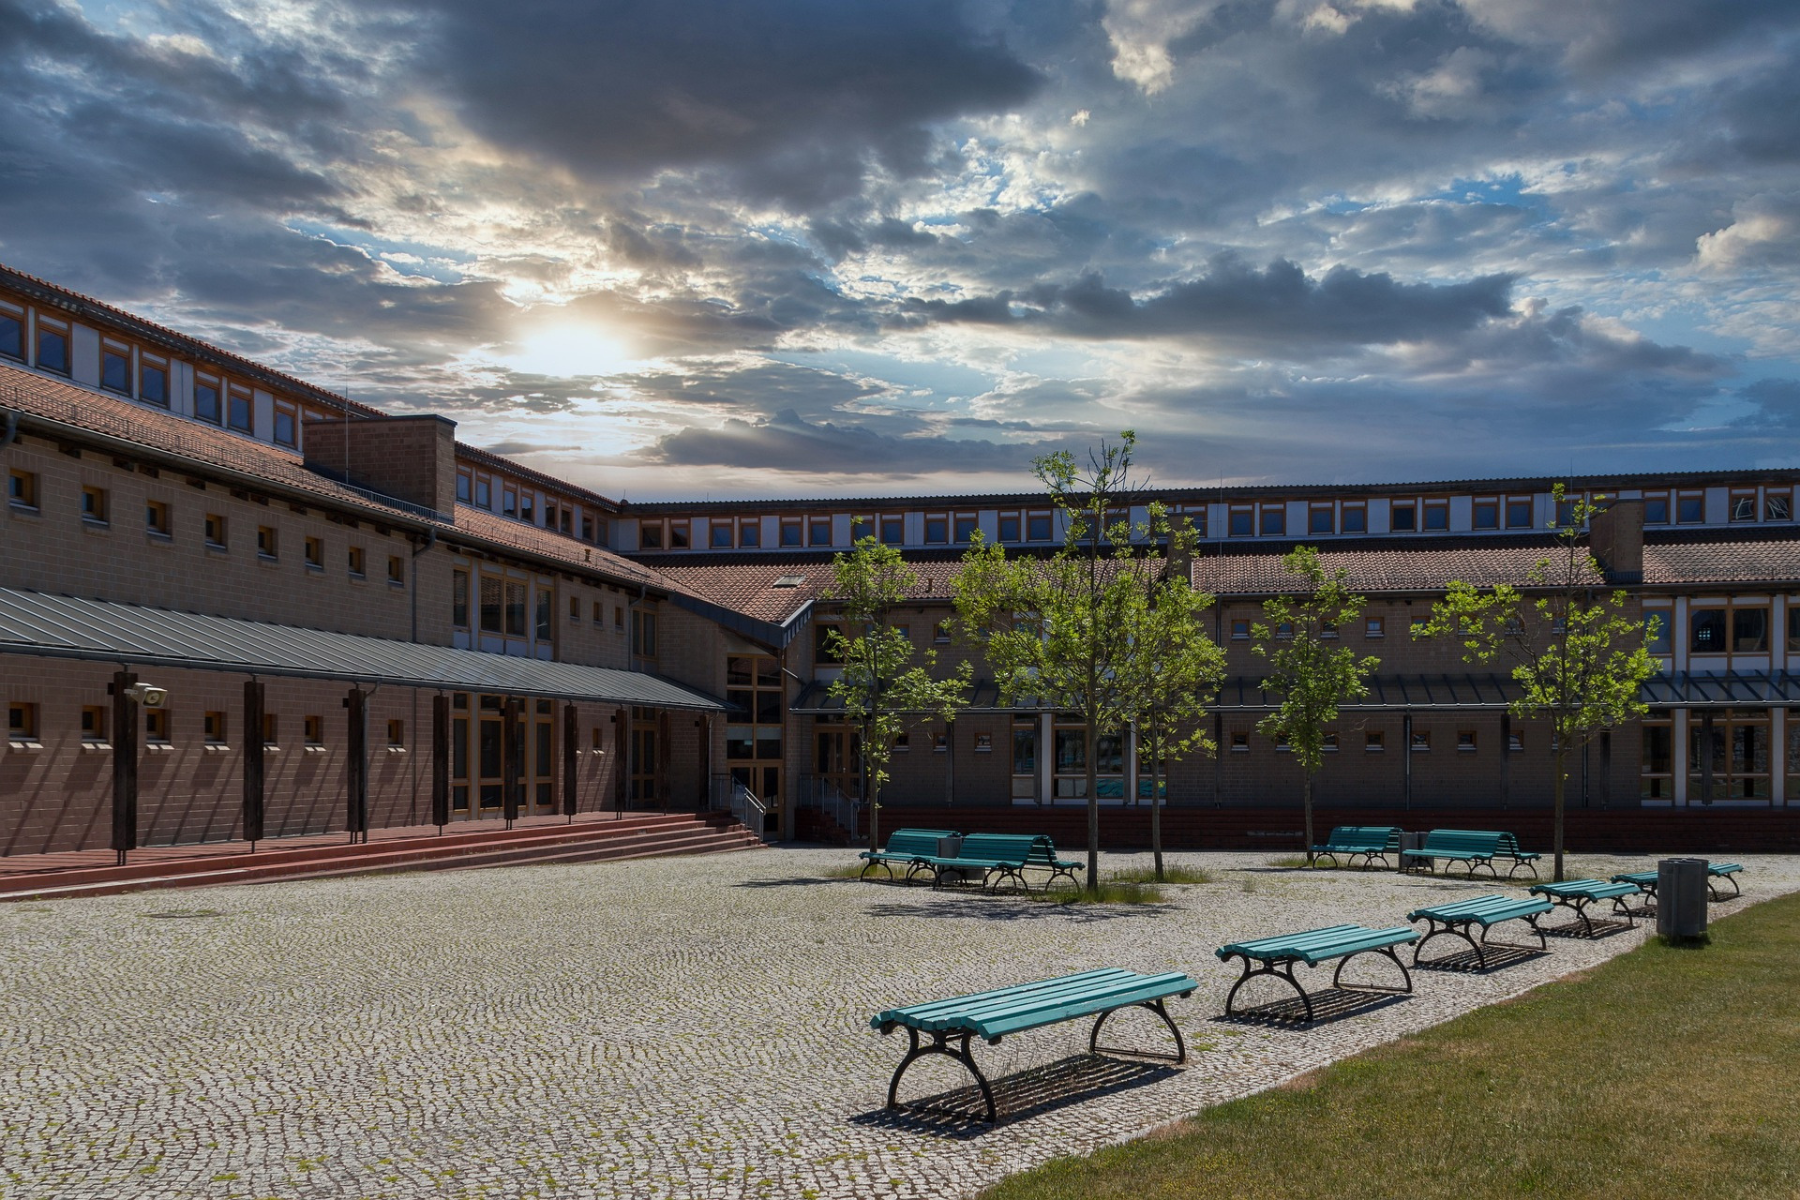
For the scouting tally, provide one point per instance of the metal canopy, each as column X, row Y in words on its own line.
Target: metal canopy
column 1729, row 689
column 99, row 631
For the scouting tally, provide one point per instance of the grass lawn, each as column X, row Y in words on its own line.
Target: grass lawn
column 1664, row 1072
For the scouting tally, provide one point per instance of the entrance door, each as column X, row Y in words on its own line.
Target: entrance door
column 643, row 765
column 491, row 752
column 543, row 759
column 836, row 760
column 460, row 807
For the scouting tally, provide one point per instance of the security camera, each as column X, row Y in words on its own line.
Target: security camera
column 148, row 694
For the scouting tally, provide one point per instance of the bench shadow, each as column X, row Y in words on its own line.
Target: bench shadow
column 1499, row 955
column 1329, row 1004
column 1011, row 908
column 1603, row 927
column 960, row 1114
column 796, row 881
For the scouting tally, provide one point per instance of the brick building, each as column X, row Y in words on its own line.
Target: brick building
column 356, row 617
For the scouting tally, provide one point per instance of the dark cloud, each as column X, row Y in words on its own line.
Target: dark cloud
column 1279, row 308
column 1777, row 406
column 785, row 442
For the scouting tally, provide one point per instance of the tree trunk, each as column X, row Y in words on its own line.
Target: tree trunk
column 1557, row 836
column 1306, row 794
column 1093, row 806
column 1155, row 807
column 869, row 799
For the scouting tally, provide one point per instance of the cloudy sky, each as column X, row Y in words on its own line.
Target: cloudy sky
column 746, row 247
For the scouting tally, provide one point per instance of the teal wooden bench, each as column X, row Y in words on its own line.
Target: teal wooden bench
column 952, row 1024
column 1349, row 842
column 1475, row 848
column 1645, row 881
column 903, row 846
column 1577, row 894
column 995, row 857
column 1459, row 916
column 1042, row 857
column 1276, row 956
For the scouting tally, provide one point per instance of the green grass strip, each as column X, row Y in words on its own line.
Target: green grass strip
column 1664, row 1072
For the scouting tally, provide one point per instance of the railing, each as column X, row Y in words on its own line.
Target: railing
column 829, row 799
column 730, row 795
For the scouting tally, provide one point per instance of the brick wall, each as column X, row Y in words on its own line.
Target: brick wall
column 409, row 458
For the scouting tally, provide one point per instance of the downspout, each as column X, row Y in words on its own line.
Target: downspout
column 9, row 429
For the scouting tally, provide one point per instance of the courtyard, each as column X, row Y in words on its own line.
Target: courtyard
column 664, row 1028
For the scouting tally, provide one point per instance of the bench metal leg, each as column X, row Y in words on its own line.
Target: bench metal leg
column 1068, row 875
column 1458, row 929
column 941, row 1043
column 1155, row 1006
column 1527, row 864
column 1473, row 863
column 1388, row 951
column 1283, row 971
column 871, row 865
column 1713, row 891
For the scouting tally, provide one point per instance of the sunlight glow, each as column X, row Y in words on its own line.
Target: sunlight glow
column 568, row 351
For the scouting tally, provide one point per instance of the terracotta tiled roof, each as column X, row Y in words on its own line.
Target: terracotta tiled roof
column 1751, row 556
column 1385, row 567
column 500, row 462
column 479, row 523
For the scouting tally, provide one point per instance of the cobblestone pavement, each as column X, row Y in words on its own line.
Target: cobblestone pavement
column 666, row 1028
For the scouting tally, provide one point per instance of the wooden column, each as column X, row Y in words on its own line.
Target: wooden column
column 571, row 762
column 1406, row 760
column 1505, row 759
column 513, row 758
column 125, row 765
column 1606, row 769
column 253, row 762
column 1706, row 757
column 440, row 761
column 356, row 769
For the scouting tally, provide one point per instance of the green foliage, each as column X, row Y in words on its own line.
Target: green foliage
column 883, row 690
column 1578, row 656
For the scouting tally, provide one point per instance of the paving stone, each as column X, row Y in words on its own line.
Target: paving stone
column 665, row 1028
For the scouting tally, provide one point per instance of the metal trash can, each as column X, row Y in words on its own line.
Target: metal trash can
column 1412, row 841
column 949, row 847
column 1681, row 897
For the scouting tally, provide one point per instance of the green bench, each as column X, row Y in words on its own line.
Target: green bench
column 1276, row 956
column 1366, row 841
column 1577, row 894
column 952, row 1024
column 1459, row 916
column 1645, row 881
column 997, row 858
column 904, row 846
column 1474, row 848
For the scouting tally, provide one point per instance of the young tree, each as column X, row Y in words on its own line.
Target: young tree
column 1173, row 667
column 882, row 689
column 1577, row 655
column 1056, row 630
column 1312, row 671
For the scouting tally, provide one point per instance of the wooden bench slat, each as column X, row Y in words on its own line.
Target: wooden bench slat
column 1317, row 945
column 1027, row 1006
column 1484, row 910
column 1592, row 889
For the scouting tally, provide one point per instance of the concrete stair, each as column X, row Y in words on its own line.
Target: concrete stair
column 633, row 836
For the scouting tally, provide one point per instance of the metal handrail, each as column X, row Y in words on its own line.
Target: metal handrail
column 829, row 799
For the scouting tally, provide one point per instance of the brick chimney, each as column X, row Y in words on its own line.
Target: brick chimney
column 1616, row 537
column 406, row 458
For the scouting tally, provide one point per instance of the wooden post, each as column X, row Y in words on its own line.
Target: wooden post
column 571, row 733
column 1706, row 757
column 356, row 770
column 125, row 765
column 253, row 762
column 1406, row 759
column 440, row 761
column 513, row 759
column 1606, row 768
column 1505, row 759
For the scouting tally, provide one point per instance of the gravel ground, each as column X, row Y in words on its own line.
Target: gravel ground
column 666, row 1028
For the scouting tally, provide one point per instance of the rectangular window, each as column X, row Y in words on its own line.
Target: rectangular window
column 1240, row 629
column 1657, row 767
column 1690, row 508
column 12, row 333
column 357, row 562
column 1749, row 630
column 542, row 618
column 528, row 507
column 206, row 399
column 271, row 730
column 1487, row 512
column 1195, row 517
column 966, row 525
column 93, row 723
column 215, row 728
column 215, row 531
column 1240, row 741
column 52, row 346
column 937, row 529
column 396, row 570
column 22, row 722
column 1321, row 518
column 509, row 501
column 484, row 493
column 459, row 599
column 1437, row 516
column 1039, row 527
column 240, row 412
column 791, row 533
column 1743, row 505
column 719, row 535
column 1242, row 521
column 818, row 531
column 1405, row 517
column 1465, row 740
column 750, row 534
column 93, row 505
column 1421, row 739
column 157, row 725
column 940, row 634
column 1656, row 508
column 1274, row 520
column 650, row 535
column 315, row 554
column 396, row 731
column 314, row 730
column 21, row 489
column 287, row 424
column 860, row 528
column 1778, row 506
column 1356, row 518
column 465, row 487
column 599, row 614
column 826, row 652
column 1706, row 629
column 153, row 380
column 115, row 368
column 491, row 604
column 1372, row 628
column 574, row 610
column 619, row 618
column 1793, row 631
column 1010, row 528
column 643, row 633
column 678, row 535
column 1656, row 632
column 265, row 542
column 515, row 609
column 565, row 521
column 1518, row 512
column 587, row 529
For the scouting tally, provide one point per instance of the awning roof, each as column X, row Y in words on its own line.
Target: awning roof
column 1731, row 689
column 100, row 631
